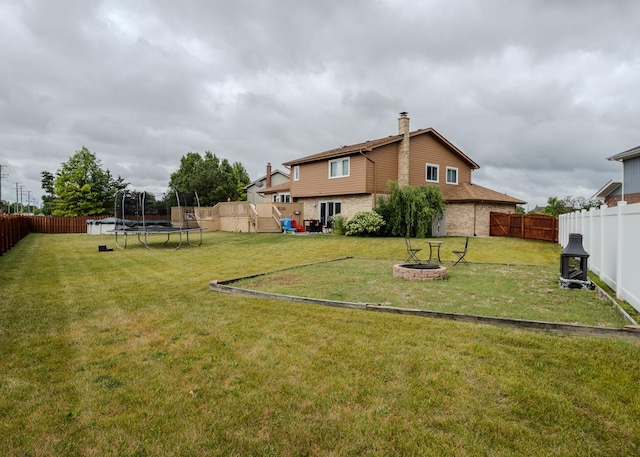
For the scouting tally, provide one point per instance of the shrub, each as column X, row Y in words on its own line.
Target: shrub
column 364, row 223
column 337, row 224
column 410, row 211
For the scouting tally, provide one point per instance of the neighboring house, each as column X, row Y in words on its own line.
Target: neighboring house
column 255, row 189
column 627, row 188
column 351, row 178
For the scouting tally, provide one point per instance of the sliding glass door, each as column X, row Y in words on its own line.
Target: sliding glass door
column 328, row 209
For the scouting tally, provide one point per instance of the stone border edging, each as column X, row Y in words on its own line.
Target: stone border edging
column 565, row 329
column 219, row 287
column 620, row 309
column 232, row 280
column 627, row 332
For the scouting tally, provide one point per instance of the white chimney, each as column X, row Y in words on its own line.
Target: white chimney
column 403, row 150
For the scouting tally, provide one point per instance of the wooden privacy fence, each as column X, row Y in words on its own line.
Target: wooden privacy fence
column 12, row 229
column 61, row 224
column 529, row 227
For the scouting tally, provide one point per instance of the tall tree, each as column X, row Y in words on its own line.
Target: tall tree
column 48, row 200
column 83, row 188
column 213, row 179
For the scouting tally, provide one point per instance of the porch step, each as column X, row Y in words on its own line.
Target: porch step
column 267, row 225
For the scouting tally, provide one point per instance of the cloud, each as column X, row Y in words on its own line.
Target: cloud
column 539, row 93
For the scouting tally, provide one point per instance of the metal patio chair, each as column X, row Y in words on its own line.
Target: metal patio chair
column 461, row 254
column 411, row 252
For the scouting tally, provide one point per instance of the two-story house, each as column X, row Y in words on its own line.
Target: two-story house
column 627, row 188
column 351, row 178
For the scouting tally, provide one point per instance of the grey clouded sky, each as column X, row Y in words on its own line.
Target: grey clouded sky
column 538, row 93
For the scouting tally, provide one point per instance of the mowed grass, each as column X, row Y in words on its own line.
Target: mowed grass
column 497, row 290
column 129, row 353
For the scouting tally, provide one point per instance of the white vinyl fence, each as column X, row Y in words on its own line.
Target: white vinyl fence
column 611, row 236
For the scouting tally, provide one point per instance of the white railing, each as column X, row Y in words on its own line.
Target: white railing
column 611, row 237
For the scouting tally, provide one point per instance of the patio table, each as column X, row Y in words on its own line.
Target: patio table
column 434, row 245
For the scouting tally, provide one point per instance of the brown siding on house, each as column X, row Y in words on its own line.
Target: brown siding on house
column 314, row 179
column 386, row 160
column 428, row 149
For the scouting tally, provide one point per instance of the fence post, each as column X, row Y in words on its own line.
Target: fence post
column 619, row 249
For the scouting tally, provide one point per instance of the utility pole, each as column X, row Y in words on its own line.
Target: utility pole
column 2, row 175
column 29, row 202
column 16, row 183
column 21, row 205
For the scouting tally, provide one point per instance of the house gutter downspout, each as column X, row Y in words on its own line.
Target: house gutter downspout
column 375, row 183
column 475, row 212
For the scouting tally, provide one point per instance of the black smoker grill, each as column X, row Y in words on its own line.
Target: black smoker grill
column 573, row 264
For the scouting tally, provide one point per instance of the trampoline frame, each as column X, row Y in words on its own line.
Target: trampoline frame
column 149, row 228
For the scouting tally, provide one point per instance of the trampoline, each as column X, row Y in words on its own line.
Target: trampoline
column 183, row 222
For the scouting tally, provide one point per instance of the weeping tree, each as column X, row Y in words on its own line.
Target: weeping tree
column 410, row 211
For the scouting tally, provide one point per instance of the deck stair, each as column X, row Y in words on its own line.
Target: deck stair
column 267, row 225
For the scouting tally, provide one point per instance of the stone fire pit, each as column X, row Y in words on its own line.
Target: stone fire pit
column 419, row 271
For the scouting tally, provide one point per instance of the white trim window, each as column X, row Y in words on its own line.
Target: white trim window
column 432, row 173
column 296, row 173
column 339, row 168
column 327, row 210
column 281, row 198
column 452, row 175
column 285, row 197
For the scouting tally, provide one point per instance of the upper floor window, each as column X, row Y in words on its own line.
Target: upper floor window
column 296, row 173
column 452, row 175
column 432, row 173
column 339, row 168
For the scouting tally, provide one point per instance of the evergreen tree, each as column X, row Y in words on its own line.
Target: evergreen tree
column 81, row 187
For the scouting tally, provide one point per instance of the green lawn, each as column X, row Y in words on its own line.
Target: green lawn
column 128, row 353
column 497, row 290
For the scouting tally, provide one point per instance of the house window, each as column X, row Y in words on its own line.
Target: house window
column 296, row 173
column 328, row 209
column 285, row 198
column 452, row 175
column 432, row 173
column 339, row 168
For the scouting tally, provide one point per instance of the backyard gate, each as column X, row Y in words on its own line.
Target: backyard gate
column 529, row 227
